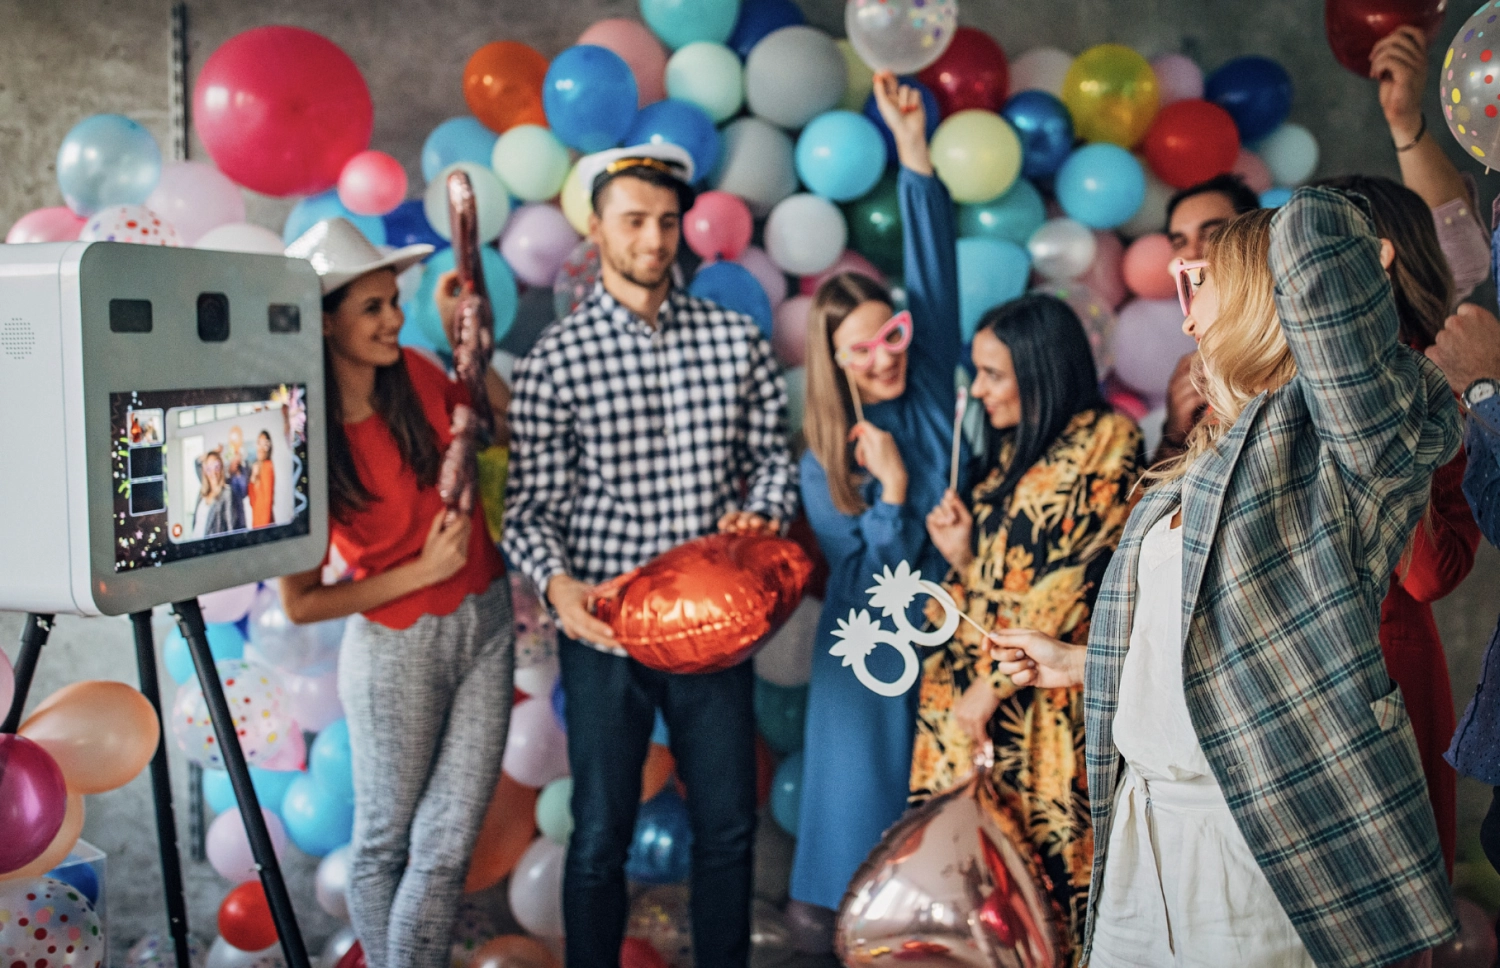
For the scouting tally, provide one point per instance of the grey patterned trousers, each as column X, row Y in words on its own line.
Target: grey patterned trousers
column 428, row 708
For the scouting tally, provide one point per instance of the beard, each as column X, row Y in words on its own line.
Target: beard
column 623, row 268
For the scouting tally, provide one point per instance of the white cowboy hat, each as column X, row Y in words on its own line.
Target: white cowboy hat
column 340, row 254
column 669, row 159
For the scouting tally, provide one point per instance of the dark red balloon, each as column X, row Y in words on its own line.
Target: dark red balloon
column 1354, row 26
column 245, row 918
column 353, row 958
column 638, row 953
column 707, row 604
column 972, row 73
column 281, row 109
column 1191, row 141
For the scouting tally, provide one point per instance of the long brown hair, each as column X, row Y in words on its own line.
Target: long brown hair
column 830, row 409
column 395, row 400
column 1420, row 276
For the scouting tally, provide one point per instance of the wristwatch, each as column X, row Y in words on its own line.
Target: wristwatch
column 1480, row 390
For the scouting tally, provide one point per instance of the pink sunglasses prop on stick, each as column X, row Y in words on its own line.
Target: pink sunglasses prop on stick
column 1189, row 276
column 893, row 337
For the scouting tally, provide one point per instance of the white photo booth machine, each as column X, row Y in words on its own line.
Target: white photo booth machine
column 135, row 385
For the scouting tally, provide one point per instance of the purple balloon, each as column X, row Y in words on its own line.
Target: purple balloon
column 536, row 242
column 228, row 845
column 33, row 801
column 767, row 273
column 1148, row 342
column 536, row 750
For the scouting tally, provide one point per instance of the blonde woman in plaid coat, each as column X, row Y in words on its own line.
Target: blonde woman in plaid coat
column 1293, row 507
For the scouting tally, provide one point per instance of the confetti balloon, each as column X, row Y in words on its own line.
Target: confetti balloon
column 1468, row 85
column 47, row 923
column 904, row 36
column 136, row 224
column 255, row 700
column 154, row 951
column 572, row 285
column 536, row 636
column 303, row 649
column 660, row 917
column 1094, row 312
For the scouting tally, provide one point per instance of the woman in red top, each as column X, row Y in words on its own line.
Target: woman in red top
column 261, row 489
column 425, row 669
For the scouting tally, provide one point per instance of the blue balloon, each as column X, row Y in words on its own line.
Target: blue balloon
column 80, row 877
column 560, row 705
column 661, row 852
column 315, row 208
column 733, row 286
column 679, row 123
column 1101, row 185
column 1046, row 131
column 105, row 160
column 270, row 788
column 1014, row 216
column 990, row 272
column 786, row 793
column 317, row 821
column 840, row 155
column 659, row 733
column 761, row 17
column 1275, row 197
column 225, row 641
column 457, row 139
column 1256, row 91
column 781, row 713
column 407, row 224
column 422, row 313
column 929, row 107
column 589, row 95
column 330, row 761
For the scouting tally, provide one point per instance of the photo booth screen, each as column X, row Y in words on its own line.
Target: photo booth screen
column 202, row 471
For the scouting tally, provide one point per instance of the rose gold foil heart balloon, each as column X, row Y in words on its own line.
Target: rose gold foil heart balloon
column 948, row 886
column 705, row 605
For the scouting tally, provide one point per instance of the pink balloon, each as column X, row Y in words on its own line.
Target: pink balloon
column 281, row 110
column 313, row 701
column 1256, row 173
column 850, row 261
column 1177, row 78
column 228, row 846
column 290, row 756
column 766, row 272
column 57, row 224
column 372, row 183
column 637, row 47
column 1126, row 401
column 789, row 331
column 1475, row 945
column 229, row 604
column 195, row 198
column 1105, row 276
column 1146, row 267
column 536, row 750
column 1148, row 342
column 718, row 226
column 33, row 801
column 536, row 242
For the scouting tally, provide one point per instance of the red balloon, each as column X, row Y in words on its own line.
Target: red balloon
column 281, row 110
column 705, row 605
column 353, row 958
column 972, row 73
column 245, row 918
column 638, row 953
column 1191, row 141
column 1354, row 26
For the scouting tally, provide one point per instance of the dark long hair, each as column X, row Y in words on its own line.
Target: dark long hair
column 1054, row 374
column 395, row 400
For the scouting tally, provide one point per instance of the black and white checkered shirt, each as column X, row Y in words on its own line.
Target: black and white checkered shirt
column 629, row 440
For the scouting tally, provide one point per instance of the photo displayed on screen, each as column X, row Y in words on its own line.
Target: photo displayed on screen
column 203, row 471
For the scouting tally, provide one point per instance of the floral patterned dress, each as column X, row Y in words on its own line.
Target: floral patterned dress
column 1036, row 566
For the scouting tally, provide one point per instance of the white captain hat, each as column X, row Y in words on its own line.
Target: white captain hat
column 340, row 253
column 669, row 159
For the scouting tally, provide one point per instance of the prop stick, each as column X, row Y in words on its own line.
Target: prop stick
column 859, row 411
column 960, row 405
column 472, row 332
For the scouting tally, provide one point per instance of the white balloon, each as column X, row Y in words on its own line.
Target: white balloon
column 332, row 884
column 241, row 237
column 536, row 889
column 1291, row 152
column 793, row 75
column 1152, row 426
column 536, row 748
column 786, row 660
column 805, row 234
column 303, row 649
column 195, row 198
column 1152, row 215
column 313, row 701
column 1062, row 249
column 337, row 946
column 1040, row 69
column 228, row 605
column 222, row 954
column 538, row 678
column 135, row 224
column 757, row 163
column 491, row 200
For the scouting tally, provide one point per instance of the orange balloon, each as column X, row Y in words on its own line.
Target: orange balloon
column 658, row 770
column 57, row 851
column 705, row 605
column 513, row 951
column 508, row 829
column 101, row 733
column 503, row 85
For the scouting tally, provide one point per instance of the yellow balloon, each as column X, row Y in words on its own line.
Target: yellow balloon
column 861, row 79
column 576, row 203
column 977, row 155
column 1112, row 94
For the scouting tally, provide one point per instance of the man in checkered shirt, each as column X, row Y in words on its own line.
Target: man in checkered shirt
column 645, row 419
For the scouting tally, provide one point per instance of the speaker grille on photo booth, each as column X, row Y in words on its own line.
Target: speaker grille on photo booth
column 16, row 338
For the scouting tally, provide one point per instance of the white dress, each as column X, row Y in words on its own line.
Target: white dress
column 1180, row 885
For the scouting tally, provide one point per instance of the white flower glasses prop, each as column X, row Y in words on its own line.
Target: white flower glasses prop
column 893, row 593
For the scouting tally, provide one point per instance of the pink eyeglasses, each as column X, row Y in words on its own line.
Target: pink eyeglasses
column 1189, row 276
column 893, row 337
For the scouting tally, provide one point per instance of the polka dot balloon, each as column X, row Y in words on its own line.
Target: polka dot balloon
column 45, row 923
column 536, row 636
column 129, row 223
column 1096, row 315
column 1470, row 84
column 261, row 717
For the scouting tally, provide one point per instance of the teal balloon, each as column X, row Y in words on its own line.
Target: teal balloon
column 331, row 762
column 317, row 821
column 1013, row 216
column 270, row 788
column 225, row 641
column 990, row 272
column 315, row 208
column 840, row 155
column 1275, row 197
column 682, row 22
column 554, row 810
column 422, row 313
column 710, row 76
column 659, row 734
column 786, row 793
column 457, row 139
column 106, row 160
column 780, row 715
column 1101, row 185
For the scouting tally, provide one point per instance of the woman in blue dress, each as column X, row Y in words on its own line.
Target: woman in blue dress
column 868, row 505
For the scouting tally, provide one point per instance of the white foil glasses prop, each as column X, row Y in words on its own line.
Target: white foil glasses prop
column 859, row 634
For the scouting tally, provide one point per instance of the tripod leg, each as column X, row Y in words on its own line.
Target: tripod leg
column 33, row 637
column 161, row 789
column 190, row 620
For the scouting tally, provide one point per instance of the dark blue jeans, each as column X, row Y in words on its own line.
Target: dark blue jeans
column 612, row 703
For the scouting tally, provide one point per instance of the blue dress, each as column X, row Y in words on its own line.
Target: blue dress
column 857, row 758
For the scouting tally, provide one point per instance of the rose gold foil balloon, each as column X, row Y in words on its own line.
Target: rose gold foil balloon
column 705, row 605
column 948, row 886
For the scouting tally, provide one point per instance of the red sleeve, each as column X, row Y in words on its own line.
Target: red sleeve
column 1442, row 550
column 430, row 379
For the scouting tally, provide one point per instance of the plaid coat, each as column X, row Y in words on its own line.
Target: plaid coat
column 1293, row 527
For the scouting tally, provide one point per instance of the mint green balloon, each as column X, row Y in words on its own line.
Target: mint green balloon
column 531, row 162
column 554, row 811
column 710, row 76
column 681, row 22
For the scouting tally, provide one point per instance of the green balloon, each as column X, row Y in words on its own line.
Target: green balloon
column 780, row 714
column 554, row 811
column 1013, row 216
column 875, row 225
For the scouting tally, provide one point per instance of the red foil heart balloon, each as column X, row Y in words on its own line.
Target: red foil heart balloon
column 707, row 604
